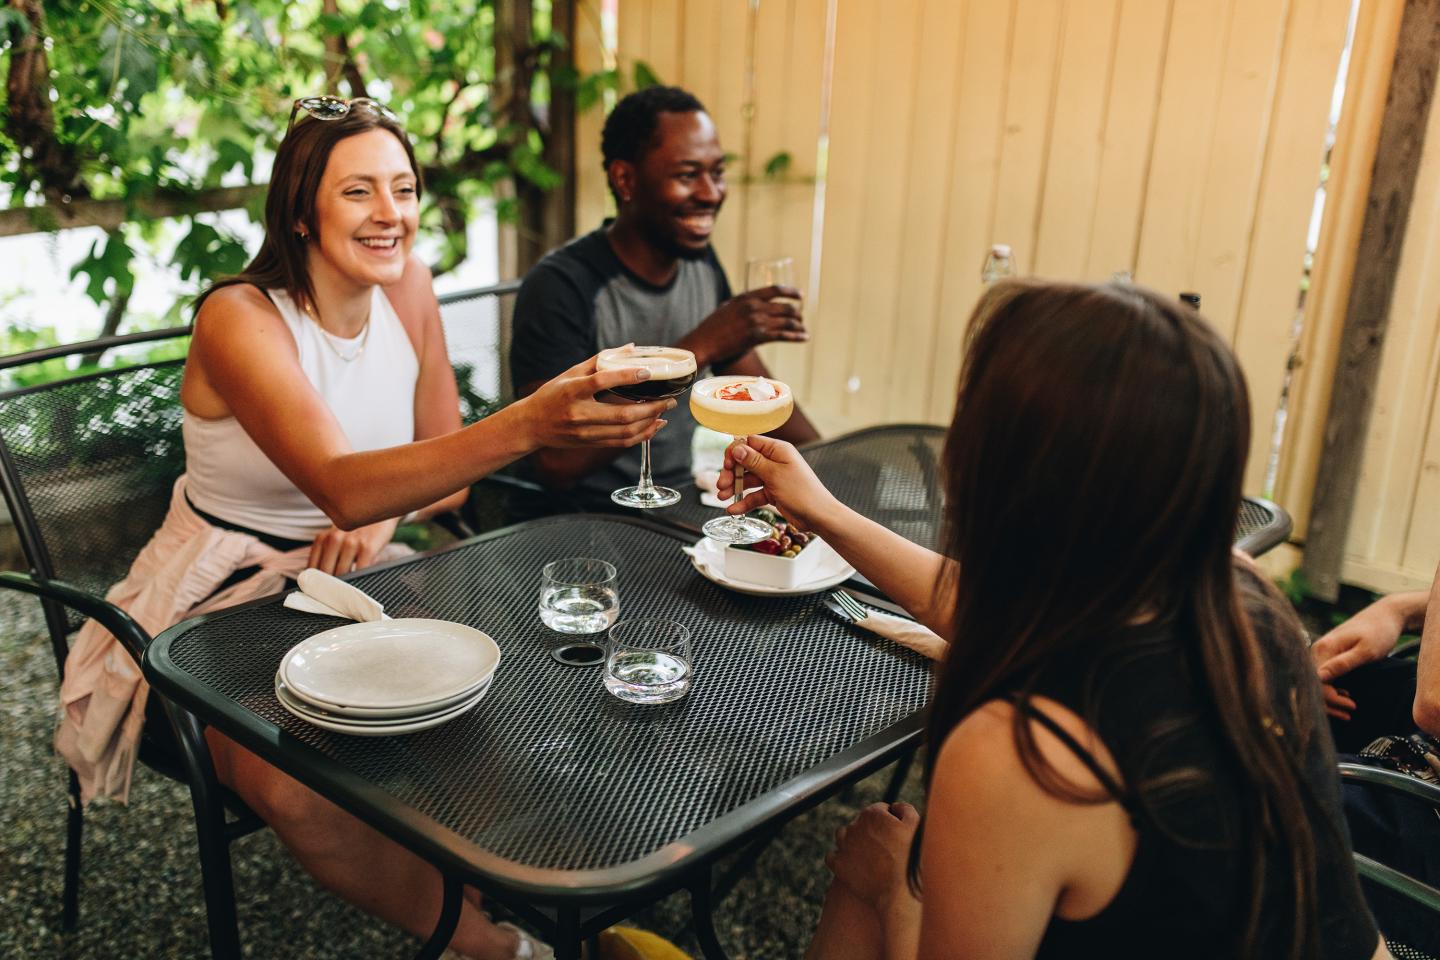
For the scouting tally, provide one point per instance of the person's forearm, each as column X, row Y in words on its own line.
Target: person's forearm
column 1427, row 682
column 905, row 572
column 901, row 926
column 1409, row 608
column 362, row 488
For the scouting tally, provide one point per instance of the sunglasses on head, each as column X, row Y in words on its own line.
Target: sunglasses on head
column 333, row 108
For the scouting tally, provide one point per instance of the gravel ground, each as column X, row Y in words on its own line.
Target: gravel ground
column 140, row 892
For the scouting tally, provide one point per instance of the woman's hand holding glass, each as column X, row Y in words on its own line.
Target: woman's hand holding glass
column 565, row 413
column 787, row 482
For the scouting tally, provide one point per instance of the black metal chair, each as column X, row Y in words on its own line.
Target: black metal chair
column 1391, row 878
column 87, row 464
column 1262, row 526
column 475, row 322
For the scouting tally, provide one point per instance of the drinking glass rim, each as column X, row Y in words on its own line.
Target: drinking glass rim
column 547, row 574
column 669, row 622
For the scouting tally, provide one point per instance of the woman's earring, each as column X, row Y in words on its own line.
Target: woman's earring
column 302, row 236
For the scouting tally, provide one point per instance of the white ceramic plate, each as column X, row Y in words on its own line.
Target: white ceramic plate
column 708, row 557
column 371, row 728
column 408, row 664
column 367, row 714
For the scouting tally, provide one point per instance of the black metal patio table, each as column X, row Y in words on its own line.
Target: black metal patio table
column 554, row 798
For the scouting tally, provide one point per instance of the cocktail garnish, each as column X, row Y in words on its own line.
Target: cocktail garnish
column 737, row 391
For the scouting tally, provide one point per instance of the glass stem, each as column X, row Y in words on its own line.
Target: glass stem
column 645, row 485
column 739, row 480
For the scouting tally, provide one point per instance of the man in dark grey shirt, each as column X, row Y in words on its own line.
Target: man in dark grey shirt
column 649, row 276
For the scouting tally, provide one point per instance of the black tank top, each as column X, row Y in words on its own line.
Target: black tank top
column 1183, row 895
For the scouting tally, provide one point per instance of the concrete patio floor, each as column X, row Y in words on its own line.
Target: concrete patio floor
column 140, row 895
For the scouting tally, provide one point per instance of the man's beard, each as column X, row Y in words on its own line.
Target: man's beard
column 660, row 234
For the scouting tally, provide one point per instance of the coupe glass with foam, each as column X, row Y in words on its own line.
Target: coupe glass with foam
column 740, row 406
column 671, row 371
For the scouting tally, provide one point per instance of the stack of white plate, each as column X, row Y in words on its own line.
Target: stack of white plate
column 386, row 677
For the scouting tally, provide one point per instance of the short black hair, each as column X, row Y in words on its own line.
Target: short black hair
column 630, row 128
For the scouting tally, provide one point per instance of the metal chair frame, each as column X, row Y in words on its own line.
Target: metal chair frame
column 1392, row 781
column 194, row 766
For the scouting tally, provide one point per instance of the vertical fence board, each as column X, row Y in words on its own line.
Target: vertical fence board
column 985, row 45
column 1174, row 197
column 1072, row 164
column 1029, row 103
column 1236, row 152
column 1128, row 136
column 917, row 305
column 1296, row 144
column 1351, row 160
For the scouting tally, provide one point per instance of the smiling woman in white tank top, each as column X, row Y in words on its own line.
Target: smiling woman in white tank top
column 319, row 408
column 368, row 382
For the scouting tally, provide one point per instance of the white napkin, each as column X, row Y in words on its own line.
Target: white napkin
column 332, row 597
column 907, row 633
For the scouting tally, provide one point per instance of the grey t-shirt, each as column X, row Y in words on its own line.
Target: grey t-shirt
column 581, row 299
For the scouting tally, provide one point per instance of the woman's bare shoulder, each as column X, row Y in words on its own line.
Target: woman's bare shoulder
column 233, row 301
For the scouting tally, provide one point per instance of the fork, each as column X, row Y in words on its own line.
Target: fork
column 847, row 606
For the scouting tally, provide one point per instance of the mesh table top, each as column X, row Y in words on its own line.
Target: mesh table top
column 550, row 784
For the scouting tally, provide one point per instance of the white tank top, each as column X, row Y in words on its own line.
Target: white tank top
column 373, row 397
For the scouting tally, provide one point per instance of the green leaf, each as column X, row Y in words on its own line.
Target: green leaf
column 111, row 263
column 645, row 76
column 590, row 90
column 777, row 166
column 130, row 60
column 205, row 253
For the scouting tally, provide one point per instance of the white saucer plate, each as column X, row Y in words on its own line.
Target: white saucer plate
column 708, row 557
column 367, row 714
column 408, row 665
column 372, row 728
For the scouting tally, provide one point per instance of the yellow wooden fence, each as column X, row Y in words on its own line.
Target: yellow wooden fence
column 1181, row 140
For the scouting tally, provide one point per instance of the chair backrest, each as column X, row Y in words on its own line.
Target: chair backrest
column 87, row 463
column 475, row 322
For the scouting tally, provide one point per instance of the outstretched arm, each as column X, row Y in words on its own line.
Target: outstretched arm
column 245, row 359
column 909, row 574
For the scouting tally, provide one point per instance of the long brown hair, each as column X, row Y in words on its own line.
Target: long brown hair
column 1094, row 467
column 290, row 202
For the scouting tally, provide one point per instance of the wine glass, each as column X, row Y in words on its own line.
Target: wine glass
column 671, row 371
column 740, row 406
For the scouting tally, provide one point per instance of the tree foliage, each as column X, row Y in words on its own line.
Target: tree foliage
column 127, row 99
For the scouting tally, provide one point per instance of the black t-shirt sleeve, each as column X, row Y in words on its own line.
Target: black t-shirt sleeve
column 553, row 327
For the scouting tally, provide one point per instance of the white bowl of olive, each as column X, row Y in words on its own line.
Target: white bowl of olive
column 785, row 560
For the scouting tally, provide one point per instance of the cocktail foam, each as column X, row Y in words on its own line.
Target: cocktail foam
column 664, row 363
column 765, row 395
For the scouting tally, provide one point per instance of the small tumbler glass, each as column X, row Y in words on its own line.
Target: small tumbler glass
column 649, row 660
column 579, row 595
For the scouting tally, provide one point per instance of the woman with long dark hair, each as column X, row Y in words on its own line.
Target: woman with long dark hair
column 1127, row 752
column 319, row 408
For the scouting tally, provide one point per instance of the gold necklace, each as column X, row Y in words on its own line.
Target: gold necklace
column 329, row 338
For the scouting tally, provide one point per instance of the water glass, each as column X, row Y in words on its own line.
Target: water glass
column 648, row 661
column 579, row 595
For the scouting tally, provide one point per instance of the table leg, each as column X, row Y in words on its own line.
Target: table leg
column 450, row 903
column 701, row 909
column 567, row 935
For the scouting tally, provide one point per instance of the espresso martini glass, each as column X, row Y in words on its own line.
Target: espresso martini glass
column 740, row 406
column 672, row 370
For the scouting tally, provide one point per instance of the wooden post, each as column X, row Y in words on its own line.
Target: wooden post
column 559, row 215
column 1377, row 260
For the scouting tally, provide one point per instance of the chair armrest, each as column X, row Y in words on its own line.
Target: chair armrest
column 112, row 618
column 1391, row 780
